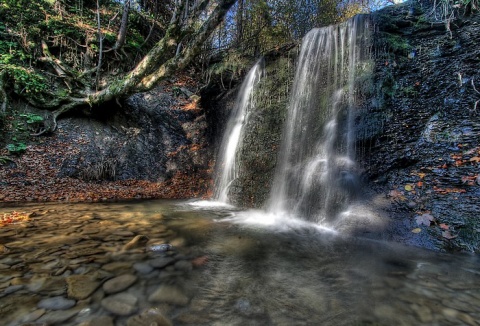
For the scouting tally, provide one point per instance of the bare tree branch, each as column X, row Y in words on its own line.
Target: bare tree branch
column 122, row 33
column 473, row 85
column 100, row 50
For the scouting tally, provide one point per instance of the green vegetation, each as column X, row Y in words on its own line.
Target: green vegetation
column 59, row 55
column 409, row 91
column 21, row 127
column 16, row 148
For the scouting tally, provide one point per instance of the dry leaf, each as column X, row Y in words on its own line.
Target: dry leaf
column 417, row 230
column 409, row 187
column 448, row 235
column 424, row 219
column 444, row 226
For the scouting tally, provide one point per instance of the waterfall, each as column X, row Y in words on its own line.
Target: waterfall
column 227, row 163
column 316, row 173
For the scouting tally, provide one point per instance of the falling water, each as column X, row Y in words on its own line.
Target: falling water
column 227, row 166
column 316, row 174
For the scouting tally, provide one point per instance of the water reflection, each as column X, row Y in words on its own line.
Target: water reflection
column 75, row 264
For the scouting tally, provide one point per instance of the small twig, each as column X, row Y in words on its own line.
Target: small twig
column 473, row 85
column 476, row 91
column 78, row 44
column 4, row 158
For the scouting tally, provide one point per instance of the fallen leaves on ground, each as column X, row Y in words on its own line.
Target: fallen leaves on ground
column 397, row 195
column 34, row 177
column 448, row 190
column 13, row 217
column 469, row 179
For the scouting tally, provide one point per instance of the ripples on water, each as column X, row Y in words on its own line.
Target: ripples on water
column 226, row 267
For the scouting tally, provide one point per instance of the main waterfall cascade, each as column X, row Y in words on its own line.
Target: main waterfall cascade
column 227, row 164
column 316, row 173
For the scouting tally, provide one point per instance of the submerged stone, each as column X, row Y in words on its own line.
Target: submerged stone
column 99, row 321
column 160, row 247
column 161, row 262
column 169, row 294
column 56, row 303
column 148, row 318
column 119, row 283
column 123, row 304
column 138, row 241
column 81, row 286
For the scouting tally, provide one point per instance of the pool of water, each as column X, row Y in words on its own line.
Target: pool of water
column 173, row 263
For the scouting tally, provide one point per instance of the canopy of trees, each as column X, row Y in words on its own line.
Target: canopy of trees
column 61, row 54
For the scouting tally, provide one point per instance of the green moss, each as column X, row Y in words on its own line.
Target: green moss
column 396, row 43
column 409, row 91
column 263, row 133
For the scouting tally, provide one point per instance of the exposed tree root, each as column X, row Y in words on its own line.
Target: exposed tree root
column 161, row 62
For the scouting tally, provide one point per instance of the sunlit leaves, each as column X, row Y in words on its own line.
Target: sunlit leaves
column 409, row 187
column 12, row 218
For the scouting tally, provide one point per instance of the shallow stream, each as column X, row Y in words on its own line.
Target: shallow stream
column 170, row 262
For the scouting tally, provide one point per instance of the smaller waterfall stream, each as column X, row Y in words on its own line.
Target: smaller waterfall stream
column 316, row 175
column 227, row 163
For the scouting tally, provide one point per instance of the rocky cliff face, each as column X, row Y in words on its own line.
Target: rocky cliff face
column 152, row 139
column 417, row 131
column 158, row 139
column 258, row 155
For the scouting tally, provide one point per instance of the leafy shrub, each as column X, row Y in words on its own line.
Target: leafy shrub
column 16, row 148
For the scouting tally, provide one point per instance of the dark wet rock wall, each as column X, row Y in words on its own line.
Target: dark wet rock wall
column 419, row 135
column 150, row 138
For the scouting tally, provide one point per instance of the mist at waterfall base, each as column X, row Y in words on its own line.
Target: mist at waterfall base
column 316, row 180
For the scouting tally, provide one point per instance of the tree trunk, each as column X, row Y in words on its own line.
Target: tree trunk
column 239, row 35
column 161, row 62
column 122, row 33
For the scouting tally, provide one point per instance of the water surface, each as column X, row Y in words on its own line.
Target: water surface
column 61, row 267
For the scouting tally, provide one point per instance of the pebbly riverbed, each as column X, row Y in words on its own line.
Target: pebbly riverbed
column 170, row 263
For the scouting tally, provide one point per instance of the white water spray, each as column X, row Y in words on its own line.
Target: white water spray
column 227, row 163
column 316, row 174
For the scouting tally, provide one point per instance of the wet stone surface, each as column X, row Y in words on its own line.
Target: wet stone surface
column 55, row 271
